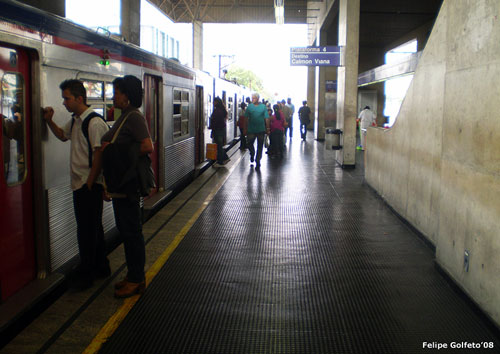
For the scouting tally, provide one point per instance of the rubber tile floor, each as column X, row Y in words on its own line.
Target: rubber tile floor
column 301, row 257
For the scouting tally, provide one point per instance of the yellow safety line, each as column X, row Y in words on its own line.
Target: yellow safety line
column 109, row 328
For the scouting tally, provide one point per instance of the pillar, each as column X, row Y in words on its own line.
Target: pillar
column 319, row 122
column 131, row 21
column 311, row 94
column 198, row 45
column 347, row 84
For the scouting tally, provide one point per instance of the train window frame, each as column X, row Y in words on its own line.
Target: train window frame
column 103, row 104
column 21, row 157
column 180, row 113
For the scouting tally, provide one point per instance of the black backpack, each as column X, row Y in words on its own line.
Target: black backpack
column 85, row 131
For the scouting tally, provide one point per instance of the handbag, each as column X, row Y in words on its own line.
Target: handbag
column 211, row 151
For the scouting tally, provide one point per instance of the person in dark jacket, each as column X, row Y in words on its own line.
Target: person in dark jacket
column 128, row 133
column 218, row 126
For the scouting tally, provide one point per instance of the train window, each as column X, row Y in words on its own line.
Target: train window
column 177, row 109
column 181, row 113
column 94, row 89
column 13, row 128
column 109, row 90
column 99, row 96
column 185, row 119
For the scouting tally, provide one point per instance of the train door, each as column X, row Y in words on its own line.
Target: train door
column 17, row 242
column 224, row 100
column 237, row 104
column 199, row 126
column 152, row 85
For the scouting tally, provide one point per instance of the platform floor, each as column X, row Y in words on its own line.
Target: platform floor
column 299, row 257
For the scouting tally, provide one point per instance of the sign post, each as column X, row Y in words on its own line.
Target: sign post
column 316, row 56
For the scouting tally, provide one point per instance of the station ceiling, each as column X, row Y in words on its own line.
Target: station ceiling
column 381, row 21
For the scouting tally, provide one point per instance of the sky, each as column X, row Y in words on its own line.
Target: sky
column 261, row 48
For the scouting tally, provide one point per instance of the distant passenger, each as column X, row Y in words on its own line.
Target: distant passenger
column 366, row 118
column 291, row 106
column 305, row 119
column 85, row 130
column 287, row 113
column 277, row 123
column 242, row 125
column 218, row 125
column 258, row 127
column 124, row 147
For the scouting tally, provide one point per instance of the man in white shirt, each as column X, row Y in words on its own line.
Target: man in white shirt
column 367, row 118
column 85, row 130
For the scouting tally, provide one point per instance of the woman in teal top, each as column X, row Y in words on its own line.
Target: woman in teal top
column 258, row 126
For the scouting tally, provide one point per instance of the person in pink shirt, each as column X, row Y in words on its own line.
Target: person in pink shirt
column 278, row 124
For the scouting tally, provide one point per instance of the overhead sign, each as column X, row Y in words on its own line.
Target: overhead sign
column 315, row 56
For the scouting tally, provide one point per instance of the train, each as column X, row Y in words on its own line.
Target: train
column 38, row 51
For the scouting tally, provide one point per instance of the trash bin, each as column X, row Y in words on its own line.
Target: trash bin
column 332, row 139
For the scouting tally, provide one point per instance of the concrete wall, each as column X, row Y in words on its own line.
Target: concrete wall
column 439, row 166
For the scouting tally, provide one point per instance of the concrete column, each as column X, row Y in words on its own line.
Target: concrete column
column 198, row 45
column 311, row 94
column 330, row 99
column 131, row 21
column 57, row 7
column 319, row 122
column 348, row 80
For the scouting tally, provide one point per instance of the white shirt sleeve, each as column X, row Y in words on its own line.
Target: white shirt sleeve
column 97, row 128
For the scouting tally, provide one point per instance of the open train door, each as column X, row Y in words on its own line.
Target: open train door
column 199, row 125
column 152, row 85
column 17, row 241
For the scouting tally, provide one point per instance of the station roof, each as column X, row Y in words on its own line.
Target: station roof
column 381, row 21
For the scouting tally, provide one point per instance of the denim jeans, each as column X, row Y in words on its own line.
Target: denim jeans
column 243, row 139
column 218, row 135
column 90, row 234
column 260, row 145
column 129, row 223
column 303, row 131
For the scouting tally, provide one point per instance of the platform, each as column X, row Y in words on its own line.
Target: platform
column 299, row 257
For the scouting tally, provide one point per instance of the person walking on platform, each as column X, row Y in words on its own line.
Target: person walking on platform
column 304, row 116
column 242, row 125
column 277, row 123
column 258, row 127
column 366, row 118
column 85, row 130
column 218, row 126
column 123, row 146
column 287, row 112
column 291, row 106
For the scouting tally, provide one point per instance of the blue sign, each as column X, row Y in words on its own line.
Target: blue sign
column 315, row 56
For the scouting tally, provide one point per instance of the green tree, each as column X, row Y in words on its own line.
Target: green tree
column 246, row 78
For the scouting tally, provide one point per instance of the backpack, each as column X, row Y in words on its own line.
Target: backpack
column 85, row 131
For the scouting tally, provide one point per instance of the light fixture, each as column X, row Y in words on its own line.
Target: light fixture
column 279, row 11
